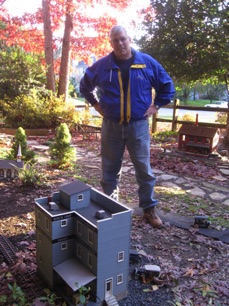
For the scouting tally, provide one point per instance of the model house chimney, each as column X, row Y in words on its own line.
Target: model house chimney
column 197, row 123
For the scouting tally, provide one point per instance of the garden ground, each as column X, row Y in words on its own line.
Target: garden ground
column 194, row 268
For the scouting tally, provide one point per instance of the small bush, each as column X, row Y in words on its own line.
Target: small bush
column 29, row 175
column 20, row 139
column 61, row 153
column 165, row 136
column 188, row 117
column 221, row 118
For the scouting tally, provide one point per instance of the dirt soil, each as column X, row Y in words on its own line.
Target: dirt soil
column 194, row 268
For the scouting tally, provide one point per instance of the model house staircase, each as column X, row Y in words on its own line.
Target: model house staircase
column 111, row 301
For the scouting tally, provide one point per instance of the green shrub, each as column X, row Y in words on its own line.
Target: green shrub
column 61, row 153
column 165, row 136
column 29, row 175
column 36, row 110
column 188, row 117
column 221, row 118
column 20, row 72
column 20, row 139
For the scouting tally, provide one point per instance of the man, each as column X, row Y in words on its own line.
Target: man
column 125, row 79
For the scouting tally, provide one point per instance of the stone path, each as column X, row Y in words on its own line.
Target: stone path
column 190, row 185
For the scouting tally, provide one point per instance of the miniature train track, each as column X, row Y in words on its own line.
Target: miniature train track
column 27, row 280
column 7, row 250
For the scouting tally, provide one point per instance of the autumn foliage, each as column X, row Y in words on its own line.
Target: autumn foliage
column 89, row 32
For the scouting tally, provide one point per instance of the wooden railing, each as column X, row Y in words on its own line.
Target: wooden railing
column 175, row 119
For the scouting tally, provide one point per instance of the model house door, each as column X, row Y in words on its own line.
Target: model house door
column 109, row 286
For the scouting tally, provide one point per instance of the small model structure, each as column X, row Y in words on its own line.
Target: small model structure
column 198, row 140
column 83, row 240
column 8, row 167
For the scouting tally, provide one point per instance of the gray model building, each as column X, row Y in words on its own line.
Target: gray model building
column 83, row 239
column 8, row 167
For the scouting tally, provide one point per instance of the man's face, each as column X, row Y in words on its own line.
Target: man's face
column 120, row 43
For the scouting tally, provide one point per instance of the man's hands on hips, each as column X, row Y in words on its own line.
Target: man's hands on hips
column 151, row 111
column 97, row 107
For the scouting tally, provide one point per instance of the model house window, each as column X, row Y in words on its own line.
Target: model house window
column 79, row 250
column 47, row 224
column 90, row 260
column 39, row 237
column 39, row 216
column 80, row 197
column 1, row 173
column 64, row 246
column 40, row 258
column 120, row 256
column 90, row 236
column 64, row 223
column 119, row 279
column 79, row 228
column 8, row 173
column 183, row 137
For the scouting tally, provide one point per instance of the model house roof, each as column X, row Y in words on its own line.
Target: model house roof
column 74, row 187
column 8, row 164
column 194, row 130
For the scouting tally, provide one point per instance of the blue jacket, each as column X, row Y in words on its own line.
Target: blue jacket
column 145, row 73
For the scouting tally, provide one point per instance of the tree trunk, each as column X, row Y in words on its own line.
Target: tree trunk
column 65, row 56
column 48, row 46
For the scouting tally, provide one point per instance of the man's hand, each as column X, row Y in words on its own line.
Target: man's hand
column 151, row 111
column 98, row 108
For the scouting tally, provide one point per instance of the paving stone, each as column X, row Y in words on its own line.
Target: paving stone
column 220, row 178
column 226, row 202
column 217, row 196
column 215, row 187
column 196, row 191
column 157, row 171
column 170, row 185
column 180, row 181
column 224, row 171
column 166, row 177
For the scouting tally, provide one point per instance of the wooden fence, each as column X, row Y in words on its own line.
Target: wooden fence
column 175, row 119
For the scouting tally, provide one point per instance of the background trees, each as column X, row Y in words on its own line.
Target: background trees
column 85, row 25
column 19, row 72
column 190, row 38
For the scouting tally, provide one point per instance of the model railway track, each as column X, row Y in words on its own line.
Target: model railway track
column 7, row 250
column 27, row 280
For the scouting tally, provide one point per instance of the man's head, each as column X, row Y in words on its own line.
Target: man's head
column 120, row 42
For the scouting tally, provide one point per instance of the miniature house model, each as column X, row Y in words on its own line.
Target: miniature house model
column 198, row 140
column 83, row 239
column 8, row 167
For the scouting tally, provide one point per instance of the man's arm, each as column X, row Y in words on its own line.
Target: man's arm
column 164, row 86
column 87, row 89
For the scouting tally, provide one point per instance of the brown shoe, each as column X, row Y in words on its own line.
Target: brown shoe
column 151, row 216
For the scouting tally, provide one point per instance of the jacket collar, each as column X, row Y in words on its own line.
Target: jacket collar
column 110, row 64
